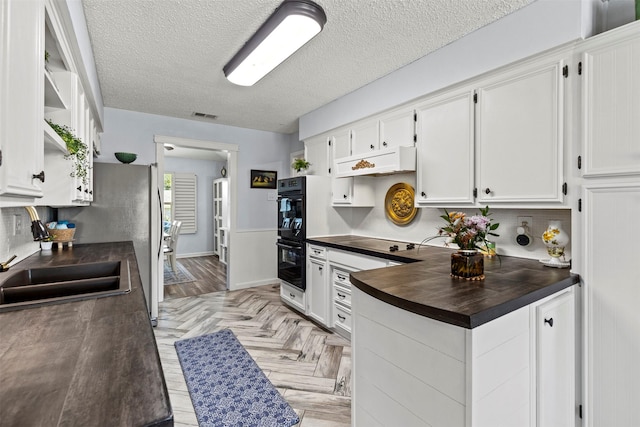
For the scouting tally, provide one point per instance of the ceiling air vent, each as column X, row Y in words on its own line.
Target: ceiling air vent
column 204, row 116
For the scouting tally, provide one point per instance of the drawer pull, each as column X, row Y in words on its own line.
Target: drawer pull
column 292, row 295
column 341, row 278
column 341, row 296
column 341, row 317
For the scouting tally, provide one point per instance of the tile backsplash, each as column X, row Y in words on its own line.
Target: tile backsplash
column 18, row 243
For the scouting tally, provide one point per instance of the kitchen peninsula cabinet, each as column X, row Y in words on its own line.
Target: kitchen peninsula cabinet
column 450, row 375
column 21, row 112
column 492, row 353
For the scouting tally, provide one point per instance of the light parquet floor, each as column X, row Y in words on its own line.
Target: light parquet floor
column 310, row 367
column 210, row 275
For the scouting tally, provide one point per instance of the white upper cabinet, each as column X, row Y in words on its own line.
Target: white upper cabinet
column 519, row 135
column 365, row 137
column 21, row 111
column 445, row 135
column 353, row 191
column 317, row 152
column 611, row 103
column 397, row 129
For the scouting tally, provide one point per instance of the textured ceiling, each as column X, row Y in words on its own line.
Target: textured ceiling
column 166, row 56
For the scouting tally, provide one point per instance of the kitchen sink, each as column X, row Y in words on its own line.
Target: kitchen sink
column 52, row 285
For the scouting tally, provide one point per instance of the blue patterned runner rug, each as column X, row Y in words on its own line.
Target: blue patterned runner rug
column 226, row 386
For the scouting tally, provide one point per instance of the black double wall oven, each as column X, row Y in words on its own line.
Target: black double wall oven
column 291, row 231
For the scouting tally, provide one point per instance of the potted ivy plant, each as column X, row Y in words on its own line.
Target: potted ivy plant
column 301, row 166
column 78, row 151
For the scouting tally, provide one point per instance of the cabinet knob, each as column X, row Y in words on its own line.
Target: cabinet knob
column 371, row 146
column 320, row 268
column 79, row 188
column 549, row 321
column 423, row 194
column 39, row 176
column 344, row 195
column 487, row 190
column 384, row 143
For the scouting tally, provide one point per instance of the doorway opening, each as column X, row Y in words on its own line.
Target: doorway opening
column 201, row 252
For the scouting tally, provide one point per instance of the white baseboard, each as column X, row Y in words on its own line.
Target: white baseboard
column 195, row 254
column 245, row 285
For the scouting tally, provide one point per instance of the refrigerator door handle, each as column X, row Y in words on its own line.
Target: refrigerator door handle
column 161, row 240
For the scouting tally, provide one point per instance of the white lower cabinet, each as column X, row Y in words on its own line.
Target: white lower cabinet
column 293, row 296
column 431, row 373
column 556, row 361
column 317, row 290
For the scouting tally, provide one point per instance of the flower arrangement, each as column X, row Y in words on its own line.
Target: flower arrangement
column 299, row 164
column 468, row 232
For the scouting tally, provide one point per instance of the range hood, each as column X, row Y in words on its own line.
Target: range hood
column 379, row 162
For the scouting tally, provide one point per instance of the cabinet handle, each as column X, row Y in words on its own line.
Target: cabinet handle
column 487, row 190
column 371, row 146
column 341, row 317
column 549, row 321
column 320, row 268
column 384, row 143
column 39, row 176
column 341, row 277
column 79, row 188
column 423, row 194
column 341, row 296
column 344, row 196
column 292, row 295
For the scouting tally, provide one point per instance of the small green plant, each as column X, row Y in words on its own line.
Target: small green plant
column 78, row 151
column 299, row 164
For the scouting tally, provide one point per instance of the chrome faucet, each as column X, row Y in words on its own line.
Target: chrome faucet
column 4, row 266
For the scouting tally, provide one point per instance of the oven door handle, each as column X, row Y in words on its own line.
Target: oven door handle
column 282, row 245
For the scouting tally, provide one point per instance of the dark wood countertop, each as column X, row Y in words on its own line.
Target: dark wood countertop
column 424, row 286
column 85, row 363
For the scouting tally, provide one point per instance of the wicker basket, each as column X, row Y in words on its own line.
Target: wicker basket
column 62, row 235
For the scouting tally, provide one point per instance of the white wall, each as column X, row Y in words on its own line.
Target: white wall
column 200, row 243
column 133, row 132
column 21, row 244
column 373, row 222
column 542, row 25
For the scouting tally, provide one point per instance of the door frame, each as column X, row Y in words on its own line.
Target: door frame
column 232, row 173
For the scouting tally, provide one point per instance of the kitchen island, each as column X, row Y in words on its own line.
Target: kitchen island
column 432, row 350
column 85, row 363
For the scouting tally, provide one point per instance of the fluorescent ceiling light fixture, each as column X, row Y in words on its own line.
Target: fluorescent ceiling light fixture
column 293, row 24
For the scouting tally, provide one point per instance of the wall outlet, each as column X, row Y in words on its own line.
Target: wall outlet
column 528, row 220
column 17, row 224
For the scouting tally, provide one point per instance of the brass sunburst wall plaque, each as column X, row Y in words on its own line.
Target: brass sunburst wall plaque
column 399, row 204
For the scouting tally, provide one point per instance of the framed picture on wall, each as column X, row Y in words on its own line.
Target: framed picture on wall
column 264, row 179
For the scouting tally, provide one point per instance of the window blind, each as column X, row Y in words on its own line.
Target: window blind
column 185, row 203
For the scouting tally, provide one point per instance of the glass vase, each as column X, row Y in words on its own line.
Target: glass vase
column 467, row 264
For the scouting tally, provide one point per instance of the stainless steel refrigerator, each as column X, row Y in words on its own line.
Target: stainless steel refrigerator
column 126, row 206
